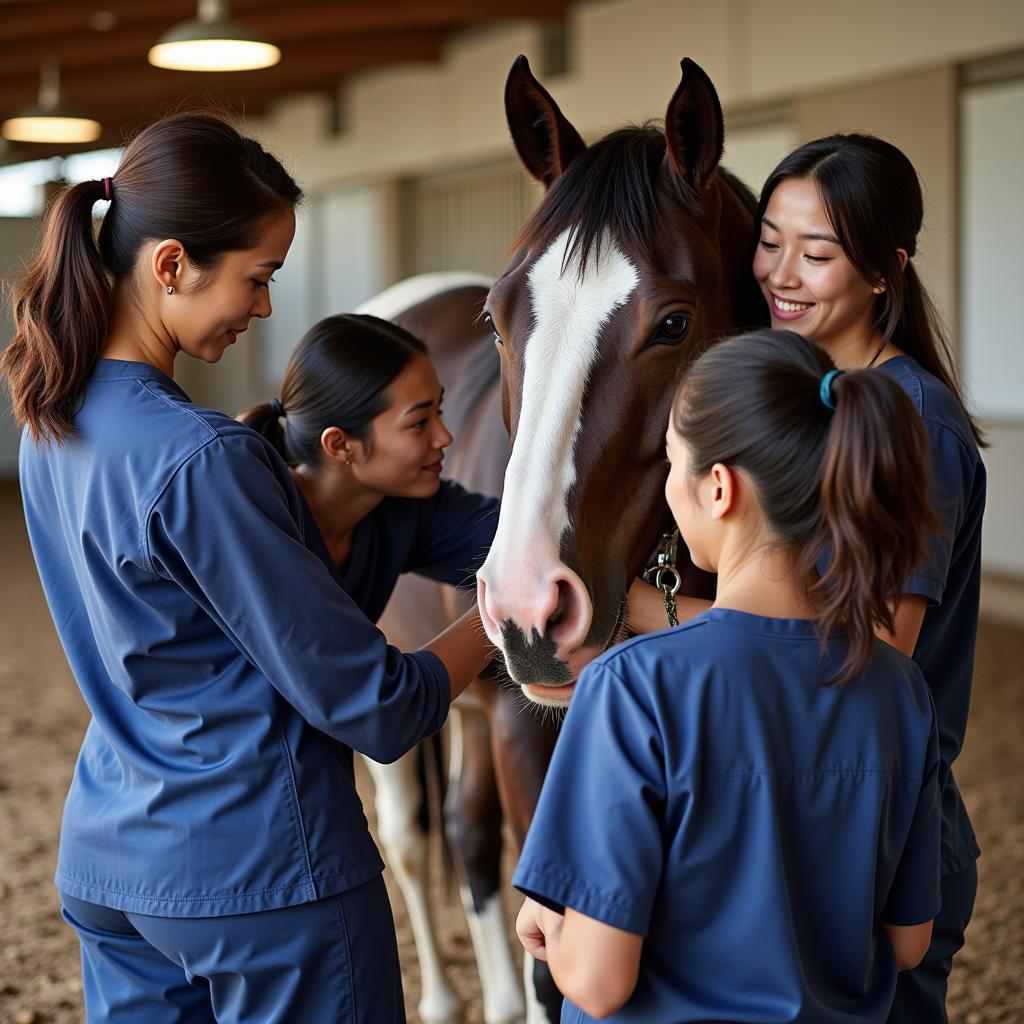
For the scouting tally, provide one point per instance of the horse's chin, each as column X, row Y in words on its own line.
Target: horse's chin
column 549, row 696
column 559, row 695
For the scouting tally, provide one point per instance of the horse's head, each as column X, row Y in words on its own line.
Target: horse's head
column 638, row 253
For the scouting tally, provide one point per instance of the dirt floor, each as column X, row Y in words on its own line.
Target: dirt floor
column 42, row 719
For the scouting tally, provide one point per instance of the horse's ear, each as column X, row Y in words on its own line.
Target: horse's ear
column 546, row 142
column 694, row 129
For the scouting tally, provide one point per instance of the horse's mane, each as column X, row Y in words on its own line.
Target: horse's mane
column 609, row 187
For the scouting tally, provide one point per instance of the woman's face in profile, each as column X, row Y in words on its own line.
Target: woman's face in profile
column 205, row 322
column 407, row 440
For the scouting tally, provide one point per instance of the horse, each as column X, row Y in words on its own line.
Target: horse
column 637, row 256
column 498, row 755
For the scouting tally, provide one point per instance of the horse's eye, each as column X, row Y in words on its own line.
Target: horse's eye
column 489, row 320
column 671, row 331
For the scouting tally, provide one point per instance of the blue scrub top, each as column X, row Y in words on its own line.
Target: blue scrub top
column 951, row 581
column 228, row 674
column 708, row 793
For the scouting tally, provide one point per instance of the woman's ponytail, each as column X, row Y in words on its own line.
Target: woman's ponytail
column 839, row 462
column 918, row 330
column 266, row 420
column 61, row 309
column 875, row 510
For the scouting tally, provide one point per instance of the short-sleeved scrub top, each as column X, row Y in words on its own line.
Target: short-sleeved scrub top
column 755, row 826
column 950, row 579
column 228, row 674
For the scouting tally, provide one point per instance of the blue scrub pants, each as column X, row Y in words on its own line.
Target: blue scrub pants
column 921, row 993
column 330, row 961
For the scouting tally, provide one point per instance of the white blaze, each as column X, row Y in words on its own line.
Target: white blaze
column 569, row 312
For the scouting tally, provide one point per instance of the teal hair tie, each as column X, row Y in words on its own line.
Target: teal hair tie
column 825, row 391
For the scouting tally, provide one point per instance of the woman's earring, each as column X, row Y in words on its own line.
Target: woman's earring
column 170, row 289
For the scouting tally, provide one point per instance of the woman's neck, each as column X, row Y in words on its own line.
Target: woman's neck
column 761, row 578
column 133, row 337
column 859, row 349
column 338, row 503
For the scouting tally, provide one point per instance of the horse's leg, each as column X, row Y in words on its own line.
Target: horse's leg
column 522, row 744
column 398, row 793
column 473, row 821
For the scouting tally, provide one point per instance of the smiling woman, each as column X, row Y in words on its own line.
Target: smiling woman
column 839, row 221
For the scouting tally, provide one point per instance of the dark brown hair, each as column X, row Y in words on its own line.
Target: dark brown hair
column 872, row 198
column 336, row 377
column 190, row 176
column 847, row 487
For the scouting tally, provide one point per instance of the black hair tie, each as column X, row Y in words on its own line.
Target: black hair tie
column 277, row 408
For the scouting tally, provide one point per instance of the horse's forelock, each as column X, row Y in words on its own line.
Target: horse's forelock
column 608, row 192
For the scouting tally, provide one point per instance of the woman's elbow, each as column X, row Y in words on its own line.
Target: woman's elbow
column 600, row 1010
column 908, row 959
column 598, row 997
column 384, row 749
column 910, row 944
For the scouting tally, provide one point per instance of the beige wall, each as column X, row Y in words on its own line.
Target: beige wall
column 625, row 65
column 917, row 112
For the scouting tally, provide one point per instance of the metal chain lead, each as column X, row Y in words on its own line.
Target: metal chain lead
column 666, row 576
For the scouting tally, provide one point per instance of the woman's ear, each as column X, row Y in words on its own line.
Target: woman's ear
column 901, row 255
column 339, row 446
column 723, row 490
column 167, row 262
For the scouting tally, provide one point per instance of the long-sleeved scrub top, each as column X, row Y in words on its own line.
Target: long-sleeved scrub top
column 228, row 673
column 950, row 580
column 755, row 826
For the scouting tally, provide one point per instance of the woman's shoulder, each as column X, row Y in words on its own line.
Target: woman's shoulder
column 680, row 653
column 150, row 410
column 936, row 404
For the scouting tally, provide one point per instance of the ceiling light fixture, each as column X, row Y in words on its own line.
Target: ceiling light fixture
column 213, row 42
column 51, row 121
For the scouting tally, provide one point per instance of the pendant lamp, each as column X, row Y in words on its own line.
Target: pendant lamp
column 213, row 42
column 51, row 121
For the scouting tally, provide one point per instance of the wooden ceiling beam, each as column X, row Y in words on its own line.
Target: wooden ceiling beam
column 106, row 50
column 88, row 88
column 150, row 18
column 121, row 122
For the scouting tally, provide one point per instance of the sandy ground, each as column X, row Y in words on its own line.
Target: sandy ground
column 42, row 719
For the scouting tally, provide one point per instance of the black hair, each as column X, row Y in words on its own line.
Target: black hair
column 336, row 377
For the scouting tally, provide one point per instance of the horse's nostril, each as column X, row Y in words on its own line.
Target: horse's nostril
column 562, row 608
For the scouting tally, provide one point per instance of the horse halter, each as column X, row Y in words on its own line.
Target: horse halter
column 666, row 576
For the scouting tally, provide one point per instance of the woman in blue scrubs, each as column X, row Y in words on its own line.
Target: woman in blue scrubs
column 359, row 424
column 214, row 860
column 740, row 822
column 839, row 220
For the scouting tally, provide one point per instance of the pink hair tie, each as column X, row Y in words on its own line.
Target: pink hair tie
column 106, row 188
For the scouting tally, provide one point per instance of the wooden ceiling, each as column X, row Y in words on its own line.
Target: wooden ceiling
column 102, row 45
